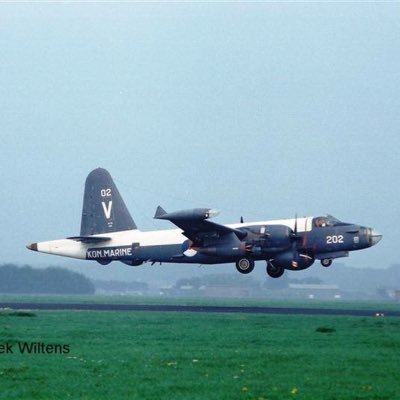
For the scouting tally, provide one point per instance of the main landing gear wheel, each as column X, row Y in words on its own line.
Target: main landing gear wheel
column 274, row 272
column 326, row 262
column 245, row 265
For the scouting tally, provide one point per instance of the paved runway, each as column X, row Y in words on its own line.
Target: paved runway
column 203, row 309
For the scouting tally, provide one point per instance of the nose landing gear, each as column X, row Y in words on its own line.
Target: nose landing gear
column 326, row 262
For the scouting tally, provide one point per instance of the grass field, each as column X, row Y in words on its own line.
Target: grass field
column 342, row 304
column 139, row 355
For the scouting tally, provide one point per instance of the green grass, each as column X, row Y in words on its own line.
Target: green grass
column 342, row 304
column 139, row 355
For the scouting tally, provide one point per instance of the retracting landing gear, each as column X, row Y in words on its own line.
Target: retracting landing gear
column 274, row 272
column 245, row 265
column 326, row 262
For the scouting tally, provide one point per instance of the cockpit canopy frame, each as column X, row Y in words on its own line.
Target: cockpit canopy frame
column 326, row 221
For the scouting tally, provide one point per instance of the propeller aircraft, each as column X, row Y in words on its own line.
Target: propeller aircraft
column 108, row 233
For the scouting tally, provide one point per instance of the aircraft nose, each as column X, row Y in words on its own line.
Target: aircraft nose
column 375, row 237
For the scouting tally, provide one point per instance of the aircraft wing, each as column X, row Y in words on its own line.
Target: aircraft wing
column 200, row 230
column 195, row 225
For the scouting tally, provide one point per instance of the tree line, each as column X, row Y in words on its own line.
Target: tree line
column 28, row 280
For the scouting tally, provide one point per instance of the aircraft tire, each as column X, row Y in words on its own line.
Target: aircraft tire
column 274, row 272
column 326, row 262
column 245, row 265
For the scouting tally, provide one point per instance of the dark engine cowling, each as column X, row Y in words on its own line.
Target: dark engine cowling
column 278, row 237
column 269, row 238
column 292, row 260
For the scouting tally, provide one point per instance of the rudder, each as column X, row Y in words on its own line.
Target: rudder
column 104, row 210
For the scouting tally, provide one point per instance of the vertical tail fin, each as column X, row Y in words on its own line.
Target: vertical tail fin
column 103, row 211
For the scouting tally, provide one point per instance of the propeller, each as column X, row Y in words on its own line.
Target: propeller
column 294, row 234
column 241, row 220
column 299, row 250
column 299, row 238
column 295, row 238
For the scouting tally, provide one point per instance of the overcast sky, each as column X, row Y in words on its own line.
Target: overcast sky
column 258, row 109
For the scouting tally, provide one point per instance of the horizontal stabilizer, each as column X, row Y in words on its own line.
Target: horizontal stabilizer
column 90, row 239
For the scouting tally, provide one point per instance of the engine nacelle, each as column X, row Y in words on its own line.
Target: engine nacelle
column 277, row 237
column 292, row 261
column 223, row 251
column 269, row 238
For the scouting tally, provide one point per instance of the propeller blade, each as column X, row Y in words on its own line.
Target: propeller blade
column 295, row 235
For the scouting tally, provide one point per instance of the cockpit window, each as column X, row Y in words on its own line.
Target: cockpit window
column 322, row 222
